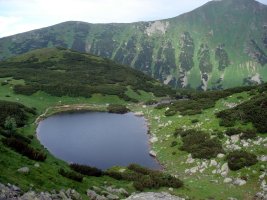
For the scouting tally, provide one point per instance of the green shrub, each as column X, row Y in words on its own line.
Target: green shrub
column 193, row 121
column 239, row 159
column 24, row 149
column 151, row 102
column 233, row 131
column 144, row 178
column 115, row 108
column 71, row 175
column 200, row 145
column 248, row 134
column 174, row 143
column 86, row 170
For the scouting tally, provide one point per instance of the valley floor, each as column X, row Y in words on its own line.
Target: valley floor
column 203, row 179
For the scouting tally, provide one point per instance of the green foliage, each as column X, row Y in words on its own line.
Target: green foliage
column 71, row 175
column 193, row 121
column 10, row 124
column 199, row 101
column 115, row 108
column 14, row 114
column 253, row 110
column 86, row 170
column 24, row 149
column 233, row 131
column 80, row 75
column 174, row 143
column 239, row 159
column 200, row 145
column 248, row 134
column 144, row 178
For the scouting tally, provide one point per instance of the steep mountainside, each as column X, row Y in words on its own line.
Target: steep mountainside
column 219, row 45
column 62, row 72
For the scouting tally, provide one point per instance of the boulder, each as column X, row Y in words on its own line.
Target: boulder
column 112, row 197
column 36, row 165
column 227, row 180
column 262, row 158
column 153, row 196
column 24, row 170
column 239, row 182
column 225, row 168
column 213, row 163
column 220, row 155
column 190, row 160
column 152, row 153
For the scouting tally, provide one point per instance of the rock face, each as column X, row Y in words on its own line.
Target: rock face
column 153, row 196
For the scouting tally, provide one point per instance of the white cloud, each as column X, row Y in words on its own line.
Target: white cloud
column 18, row 16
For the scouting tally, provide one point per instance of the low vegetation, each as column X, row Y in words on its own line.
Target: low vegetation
column 239, row 159
column 144, row 178
column 199, row 144
column 71, row 175
column 86, row 170
column 253, row 110
column 24, row 149
column 115, row 108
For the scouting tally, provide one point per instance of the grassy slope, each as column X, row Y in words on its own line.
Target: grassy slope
column 197, row 186
column 202, row 185
column 232, row 22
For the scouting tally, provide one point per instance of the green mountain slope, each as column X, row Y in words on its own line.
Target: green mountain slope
column 62, row 72
column 219, row 45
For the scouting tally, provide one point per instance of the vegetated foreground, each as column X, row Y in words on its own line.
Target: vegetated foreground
column 211, row 145
column 204, row 155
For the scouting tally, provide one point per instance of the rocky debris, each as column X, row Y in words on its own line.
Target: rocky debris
column 224, row 169
column 154, row 196
column 153, row 139
column 262, row 158
column 120, row 191
column 190, row 160
column 157, row 27
column 12, row 192
column 139, row 114
column 239, row 182
column 94, row 196
column 213, row 163
column 24, row 170
column 220, row 155
column 235, row 138
column 262, row 195
column 36, row 165
column 152, row 153
column 227, row 180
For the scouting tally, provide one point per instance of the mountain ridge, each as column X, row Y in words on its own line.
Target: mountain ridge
column 228, row 44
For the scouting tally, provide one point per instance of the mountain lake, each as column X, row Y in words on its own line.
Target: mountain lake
column 97, row 139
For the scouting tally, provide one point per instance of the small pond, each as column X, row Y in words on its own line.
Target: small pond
column 97, row 139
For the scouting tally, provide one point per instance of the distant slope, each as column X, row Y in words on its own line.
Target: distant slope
column 62, row 72
column 219, row 45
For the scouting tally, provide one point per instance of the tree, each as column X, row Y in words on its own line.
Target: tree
column 10, row 124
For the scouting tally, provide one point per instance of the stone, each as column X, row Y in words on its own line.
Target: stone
column 220, row 155
column 227, row 180
column 153, row 139
column 152, row 153
column 239, row 182
column 263, row 158
column 190, row 160
column 213, row 163
column 37, row 165
column 24, row 170
column 153, row 196
column 225, row 168
column 112, row 196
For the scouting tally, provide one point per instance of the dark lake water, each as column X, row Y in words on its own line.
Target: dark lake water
column 97, row 139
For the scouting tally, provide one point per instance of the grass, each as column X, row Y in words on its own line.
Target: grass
column 196, row 186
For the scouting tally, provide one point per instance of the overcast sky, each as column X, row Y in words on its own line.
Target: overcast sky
column 18, row 16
